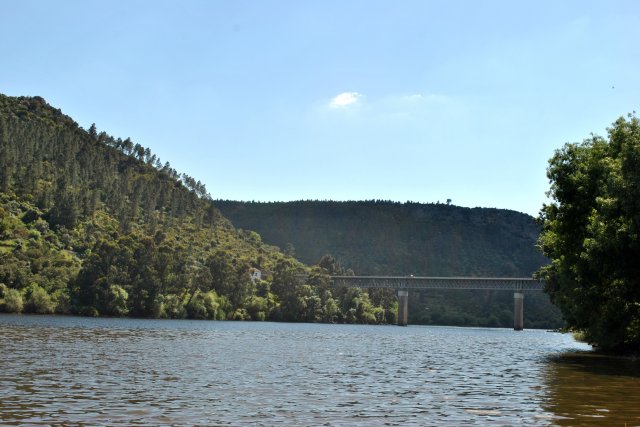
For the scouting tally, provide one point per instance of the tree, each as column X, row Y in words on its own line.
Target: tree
column 330, row 265
column 289, row 250
column 39, row 301
column 591, row 234
column 116, row 303
column 13, row 301
column 93, row 131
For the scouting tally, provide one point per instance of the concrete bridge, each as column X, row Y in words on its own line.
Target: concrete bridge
column 403, row 283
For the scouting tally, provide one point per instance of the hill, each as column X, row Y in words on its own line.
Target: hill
column 388, row 238
column 97, row 225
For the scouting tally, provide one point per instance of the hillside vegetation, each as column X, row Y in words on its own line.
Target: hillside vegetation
column 591, row 232
column 388, row 238
column 97, row 225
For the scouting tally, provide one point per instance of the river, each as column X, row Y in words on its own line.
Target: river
column 58, row 370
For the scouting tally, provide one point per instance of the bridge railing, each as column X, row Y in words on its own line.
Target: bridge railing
column 413, row 282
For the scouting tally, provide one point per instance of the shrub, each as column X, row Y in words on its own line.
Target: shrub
column 211, row 304
column 13, row 301
column 240, row 314
column 173, row 308
column 62, row 301
column 39, row 301
column 116, row 304
column 196, row 308
column 89, row 311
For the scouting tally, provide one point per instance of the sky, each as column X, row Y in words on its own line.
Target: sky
column 278, row 100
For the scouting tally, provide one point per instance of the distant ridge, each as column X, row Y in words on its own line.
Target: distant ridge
column 390, row 238
column 383, row 237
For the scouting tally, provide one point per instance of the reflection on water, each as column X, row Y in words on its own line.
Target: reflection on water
column 77, row 371
column 589, row 389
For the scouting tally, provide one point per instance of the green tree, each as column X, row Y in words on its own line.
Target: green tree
column 39, row 301
column 116, row 304
column 330, row 265
column 591, row 233
column 13, row 301
column 290, row 290
column 173, row 307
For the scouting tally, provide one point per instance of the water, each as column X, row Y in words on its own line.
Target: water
column 80, row 371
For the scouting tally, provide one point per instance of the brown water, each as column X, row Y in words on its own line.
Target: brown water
column 80, row 371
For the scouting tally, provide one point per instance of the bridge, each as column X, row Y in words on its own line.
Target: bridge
column 403, row 283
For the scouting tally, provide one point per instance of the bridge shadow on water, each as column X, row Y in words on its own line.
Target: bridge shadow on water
column 586, row 388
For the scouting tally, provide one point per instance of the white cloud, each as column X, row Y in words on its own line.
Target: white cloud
column 345, row 99
column 413, row 97
column 429, row 98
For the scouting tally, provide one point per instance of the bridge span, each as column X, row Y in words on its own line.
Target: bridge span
column 403, row 283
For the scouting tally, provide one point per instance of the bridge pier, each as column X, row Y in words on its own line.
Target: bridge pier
column 518, row 311
column 403, row 283
column 403, row 307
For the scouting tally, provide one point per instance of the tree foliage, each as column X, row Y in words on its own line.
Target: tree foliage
column 591, row 233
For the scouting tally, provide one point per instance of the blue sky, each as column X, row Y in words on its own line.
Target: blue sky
column 344, row 100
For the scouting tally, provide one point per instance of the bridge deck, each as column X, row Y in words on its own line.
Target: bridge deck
column 411, row 282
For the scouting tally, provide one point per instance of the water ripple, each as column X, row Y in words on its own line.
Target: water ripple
column 74, row 371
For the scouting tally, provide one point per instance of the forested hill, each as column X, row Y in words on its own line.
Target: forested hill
column 386, row 238
column 97, row 225
column 380, row 237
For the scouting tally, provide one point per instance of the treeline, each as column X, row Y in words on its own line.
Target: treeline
column 94, row 225
column 380, row 237
column 70, row 173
